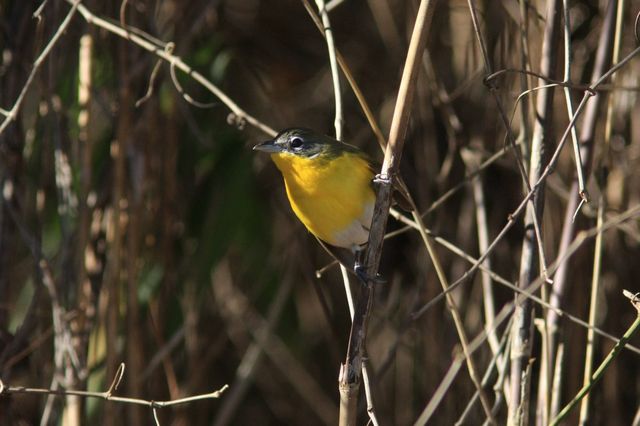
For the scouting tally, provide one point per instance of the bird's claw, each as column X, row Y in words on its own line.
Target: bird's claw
column 383, row 178
column 361, row 273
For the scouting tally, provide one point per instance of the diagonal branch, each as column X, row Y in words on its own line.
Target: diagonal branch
column 175, row 61
column 11, row 114
column 350, row 373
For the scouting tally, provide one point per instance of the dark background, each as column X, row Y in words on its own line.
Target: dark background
column 171, row 245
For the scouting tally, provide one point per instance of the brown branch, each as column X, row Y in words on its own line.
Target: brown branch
column 531, row 257
column 350, row 373
column 503, row 116
column 175, row 61
column 108, row 394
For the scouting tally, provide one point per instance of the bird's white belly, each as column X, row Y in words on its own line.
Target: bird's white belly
column 356, row 233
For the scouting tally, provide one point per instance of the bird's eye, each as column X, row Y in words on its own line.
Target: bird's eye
column 296, row 143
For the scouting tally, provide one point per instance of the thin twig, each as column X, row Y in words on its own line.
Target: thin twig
column 152, row 80
column 593, row 310
column 499, row 362
column 547, row 171
column 187, row 97
column 108, row 394
column 349, row 76
column 584, row 236
column 338, row 123
column 175, row 61
column 599, row 373
column 556, row 385
column 471, row 159
column 12, row 114
column 566, row 84
column 335, row 74
column 569, row 99
column 123, row 13
column 38, row 13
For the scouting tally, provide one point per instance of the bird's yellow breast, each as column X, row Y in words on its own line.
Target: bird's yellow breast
column 332, row 197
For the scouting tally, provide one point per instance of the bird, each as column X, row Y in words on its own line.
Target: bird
column 329, row 185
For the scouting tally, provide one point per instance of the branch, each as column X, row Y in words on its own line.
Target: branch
column 589, row 92
column 532, row 259
column 108, row 394
column 175, row 61
column 350, row 372
column 635, row 301
column 349, row 76
column 13, row 112
column 581, row 239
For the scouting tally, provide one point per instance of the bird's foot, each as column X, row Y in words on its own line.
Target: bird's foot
column 361, row 273
column 383, row 178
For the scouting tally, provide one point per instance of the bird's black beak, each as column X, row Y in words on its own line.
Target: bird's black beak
column 268, row 146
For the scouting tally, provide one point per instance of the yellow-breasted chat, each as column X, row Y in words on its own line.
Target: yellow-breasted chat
column 329, row 186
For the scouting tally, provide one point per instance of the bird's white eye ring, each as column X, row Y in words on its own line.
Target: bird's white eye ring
column 295, row 142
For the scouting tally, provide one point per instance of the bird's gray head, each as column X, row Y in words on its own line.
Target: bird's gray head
column 297, row 141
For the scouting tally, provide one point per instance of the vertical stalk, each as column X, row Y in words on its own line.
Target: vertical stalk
column 545, row 378
column 134, row 344
column 350, row 372
column 602, row 204
column 335, row 73
column 85, row 65
column 472, row 161
column 83, row 322
column 593, row 308
column 350, row 413
column 117, row 266
column 586, row 134
column 522, row 329
column 568, row 98
column 599, row 373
